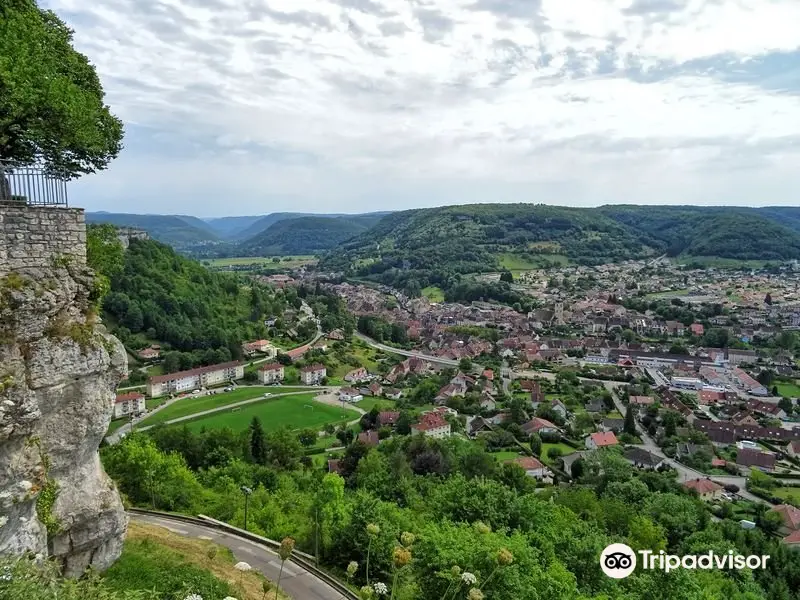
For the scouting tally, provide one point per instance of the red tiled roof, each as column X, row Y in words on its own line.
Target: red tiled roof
column 388, row 417
column 313, row 368
column 702, row 486
column 128, row 396
column 606, row 438
column 271, row 367
column 430, row 421
column 792, row 538
column 642, row 400
column 529, row 463
column 197, row 371
column 789, row 514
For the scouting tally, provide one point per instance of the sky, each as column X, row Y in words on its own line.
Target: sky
column 240, row 107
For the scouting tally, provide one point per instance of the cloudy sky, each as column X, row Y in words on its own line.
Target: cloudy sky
column 237, row 107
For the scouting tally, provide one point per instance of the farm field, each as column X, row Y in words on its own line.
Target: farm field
column 189, row 406
column 286, row 262
column 433, row 293
column 295, row 412
column 516, row 263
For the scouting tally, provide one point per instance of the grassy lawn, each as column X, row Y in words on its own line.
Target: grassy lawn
column 151, row 403
column 190, row 406
column 433, row 293
column 161, row 564
column 614, row 414
column 788, row 493
column 295, row 412
column 505, row 455
column 565, row 450
column 788, row 390
column 517, row 263
column 382, row 403
column 116, row 424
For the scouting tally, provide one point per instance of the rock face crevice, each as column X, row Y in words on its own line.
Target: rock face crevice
column 59, row 369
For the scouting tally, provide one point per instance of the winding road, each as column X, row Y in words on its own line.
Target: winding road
column 432, row 359
column 296, row 581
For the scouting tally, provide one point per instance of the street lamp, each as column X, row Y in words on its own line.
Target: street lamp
column 246, row 491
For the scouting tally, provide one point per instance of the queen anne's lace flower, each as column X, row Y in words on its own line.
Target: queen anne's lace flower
column 381, row 589
column 475, row 594
column 193, row 597
column 468, row 578
column 229, row 598
column 242, row 566
column 3, row 521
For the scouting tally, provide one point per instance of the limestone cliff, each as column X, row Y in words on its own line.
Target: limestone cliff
column 58, row 372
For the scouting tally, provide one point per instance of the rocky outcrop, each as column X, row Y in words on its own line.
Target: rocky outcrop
column 58, row 372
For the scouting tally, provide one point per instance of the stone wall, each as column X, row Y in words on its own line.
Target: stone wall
column 36, row 237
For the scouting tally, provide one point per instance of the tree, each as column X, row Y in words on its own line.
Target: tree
column 465, row 364
column 507, row 276
column 258, row 448
column 536, row 444
column 51, row 100
column 283, row 449
column 307, row 437
column 630, row 425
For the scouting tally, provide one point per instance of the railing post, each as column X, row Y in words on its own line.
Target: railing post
column 31, row 184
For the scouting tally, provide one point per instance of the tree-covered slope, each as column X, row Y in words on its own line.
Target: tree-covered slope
column 176, row 231
column 727, row 232
column 303, row 235
column 169, row 298
column 439, row 242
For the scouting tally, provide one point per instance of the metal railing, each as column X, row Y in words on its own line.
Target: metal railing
column 31, row 184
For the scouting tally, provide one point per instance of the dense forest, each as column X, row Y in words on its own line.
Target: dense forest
column 465, row 513
column 177, row 231
column 303, row 235
column 199, row 316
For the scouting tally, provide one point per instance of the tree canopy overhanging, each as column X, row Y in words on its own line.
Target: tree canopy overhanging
column 52, row 108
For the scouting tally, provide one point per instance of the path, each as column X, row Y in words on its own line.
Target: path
column 432, row 359
column 296, row 581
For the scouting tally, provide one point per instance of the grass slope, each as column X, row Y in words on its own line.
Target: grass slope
column 172, row 566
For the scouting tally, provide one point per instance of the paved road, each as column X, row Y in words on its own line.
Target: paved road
column 433, row 359
column 296, row 581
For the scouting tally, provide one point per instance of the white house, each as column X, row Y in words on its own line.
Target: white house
column 262, row 346
column 532, row 466
column 185, row 381
column 313, row 374
column 131, row 403
column 271, row 373
column 433, row 425
column 350, row 395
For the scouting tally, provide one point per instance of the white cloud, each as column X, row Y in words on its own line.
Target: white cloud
column 444, row 100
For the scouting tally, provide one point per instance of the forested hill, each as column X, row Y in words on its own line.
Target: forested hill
column 431, row 246
column 161, row 296
column 305, row 235
column 180, row 232
column 728, row 232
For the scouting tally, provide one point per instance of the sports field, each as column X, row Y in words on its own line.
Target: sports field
column 295, row 412
column 189, row 406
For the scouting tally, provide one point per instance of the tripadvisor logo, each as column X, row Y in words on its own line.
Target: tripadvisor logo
column 618, row 561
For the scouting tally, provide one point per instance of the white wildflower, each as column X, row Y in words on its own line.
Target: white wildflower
column 229, row 598
column 381, row 589
column 468, row 578
column 242, row 566
column 3, row 521
column 193, row 597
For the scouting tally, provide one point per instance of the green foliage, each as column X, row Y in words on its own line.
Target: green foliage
column 104, row 254
column 303, row 235
column 177, row 231
column 24, row 578
column 163, row 573
column 51, row 100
